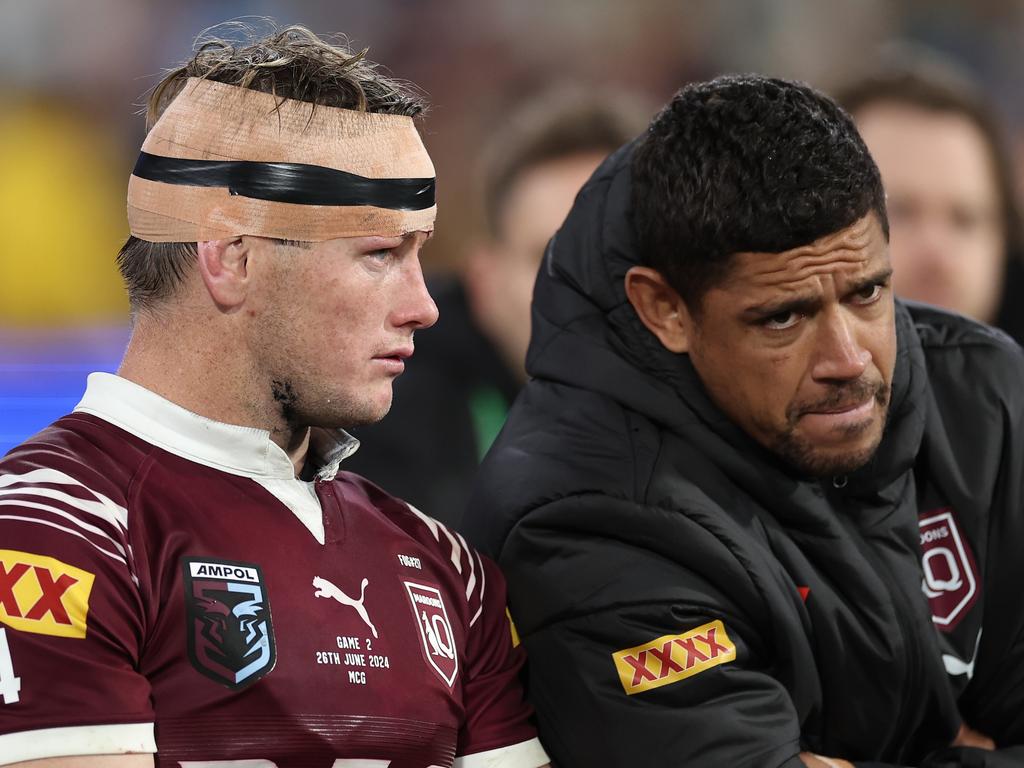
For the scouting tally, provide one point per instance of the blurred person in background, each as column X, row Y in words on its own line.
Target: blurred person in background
column 451, row 404
column 950, row 190
column 186, row 575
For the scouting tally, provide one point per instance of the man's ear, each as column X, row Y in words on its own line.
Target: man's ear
column 225, row 270
column 660, row 308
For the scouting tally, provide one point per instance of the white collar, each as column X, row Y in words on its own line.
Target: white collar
column 245, row 451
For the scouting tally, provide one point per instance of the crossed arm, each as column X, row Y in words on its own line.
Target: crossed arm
column 967, row 737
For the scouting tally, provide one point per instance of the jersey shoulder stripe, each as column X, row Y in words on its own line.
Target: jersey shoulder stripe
column 72, row 478
column 464, row 559
column 52, row 498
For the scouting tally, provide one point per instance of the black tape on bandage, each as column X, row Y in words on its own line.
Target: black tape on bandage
column 297, row 183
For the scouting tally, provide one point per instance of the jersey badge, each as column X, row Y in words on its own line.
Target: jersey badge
column 230, row 634
column 672, row 658
column 950, row 578
column 438, row 640
column 43, row 595
column 324, row 588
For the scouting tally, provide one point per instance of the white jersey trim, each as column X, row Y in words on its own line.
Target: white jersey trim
column 228, row 447
column 237, row 450
column 56, row 502
column 28, row 484
column 25, row 504
column 525, row 754
column 459, row 546
column 51, row 524
column 483, row 587
column 81, row 740
column 471, row 581
column 428, row 521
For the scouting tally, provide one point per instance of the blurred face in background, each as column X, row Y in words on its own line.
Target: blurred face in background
column 500, row 273
column 947, row 238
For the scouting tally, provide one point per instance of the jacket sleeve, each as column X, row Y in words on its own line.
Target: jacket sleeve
column 657, row 685
column 640, row 659
column 635, row 660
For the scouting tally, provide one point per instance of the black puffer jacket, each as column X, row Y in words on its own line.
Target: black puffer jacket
column 686, row 600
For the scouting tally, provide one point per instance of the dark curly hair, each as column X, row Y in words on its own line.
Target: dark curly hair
column 745, row 164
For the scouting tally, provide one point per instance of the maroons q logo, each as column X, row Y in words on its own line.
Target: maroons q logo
column 230, row 636
column 950, row 577
column 438, row 644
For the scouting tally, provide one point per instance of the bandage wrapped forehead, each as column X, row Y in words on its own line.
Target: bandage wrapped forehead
column 224, row 161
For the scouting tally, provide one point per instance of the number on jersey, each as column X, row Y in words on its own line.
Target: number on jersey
column 9, row 684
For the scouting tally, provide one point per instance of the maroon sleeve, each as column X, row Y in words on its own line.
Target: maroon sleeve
column 497, row 715
column 70, row 611
column 496, row 731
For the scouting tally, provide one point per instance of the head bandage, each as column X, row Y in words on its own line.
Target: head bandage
column 224, row 161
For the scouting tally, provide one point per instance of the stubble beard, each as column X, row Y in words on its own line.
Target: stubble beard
column 810, row 459
column 299, row 409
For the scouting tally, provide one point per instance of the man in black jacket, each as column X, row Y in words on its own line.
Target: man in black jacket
column 751, row 509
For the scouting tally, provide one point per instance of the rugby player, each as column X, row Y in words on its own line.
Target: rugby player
column 187, row 577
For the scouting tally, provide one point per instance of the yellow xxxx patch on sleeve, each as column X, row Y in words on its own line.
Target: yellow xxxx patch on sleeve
column 512, row 627
column 671, row 658
column 43, row 595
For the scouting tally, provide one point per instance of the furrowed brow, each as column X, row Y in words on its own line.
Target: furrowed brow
column 804, row 305
column 860, row 284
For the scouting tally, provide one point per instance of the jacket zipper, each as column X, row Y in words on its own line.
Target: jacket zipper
column 903, row 609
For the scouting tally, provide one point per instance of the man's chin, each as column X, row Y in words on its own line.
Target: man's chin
column 822, row 466
column 338, row 414
column 369, row 413
column 820, row 462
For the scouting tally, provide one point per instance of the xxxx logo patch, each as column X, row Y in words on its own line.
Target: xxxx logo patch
column 672, row 658
column 43, row 595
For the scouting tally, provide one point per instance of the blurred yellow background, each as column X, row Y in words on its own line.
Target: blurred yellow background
column 62, row 212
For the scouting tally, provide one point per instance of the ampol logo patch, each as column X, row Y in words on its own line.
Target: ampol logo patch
column 230, row 635
column 672, row 658
column 435, row 630
column 950, row 576
column 43, row 595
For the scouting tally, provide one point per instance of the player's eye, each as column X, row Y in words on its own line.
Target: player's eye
column 869, row 294
column 781, row 321
column 381, row 254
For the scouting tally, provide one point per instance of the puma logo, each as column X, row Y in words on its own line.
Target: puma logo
column 956, row 667
column 324, row 588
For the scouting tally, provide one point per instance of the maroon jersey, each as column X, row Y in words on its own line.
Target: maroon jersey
column 167, row 585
